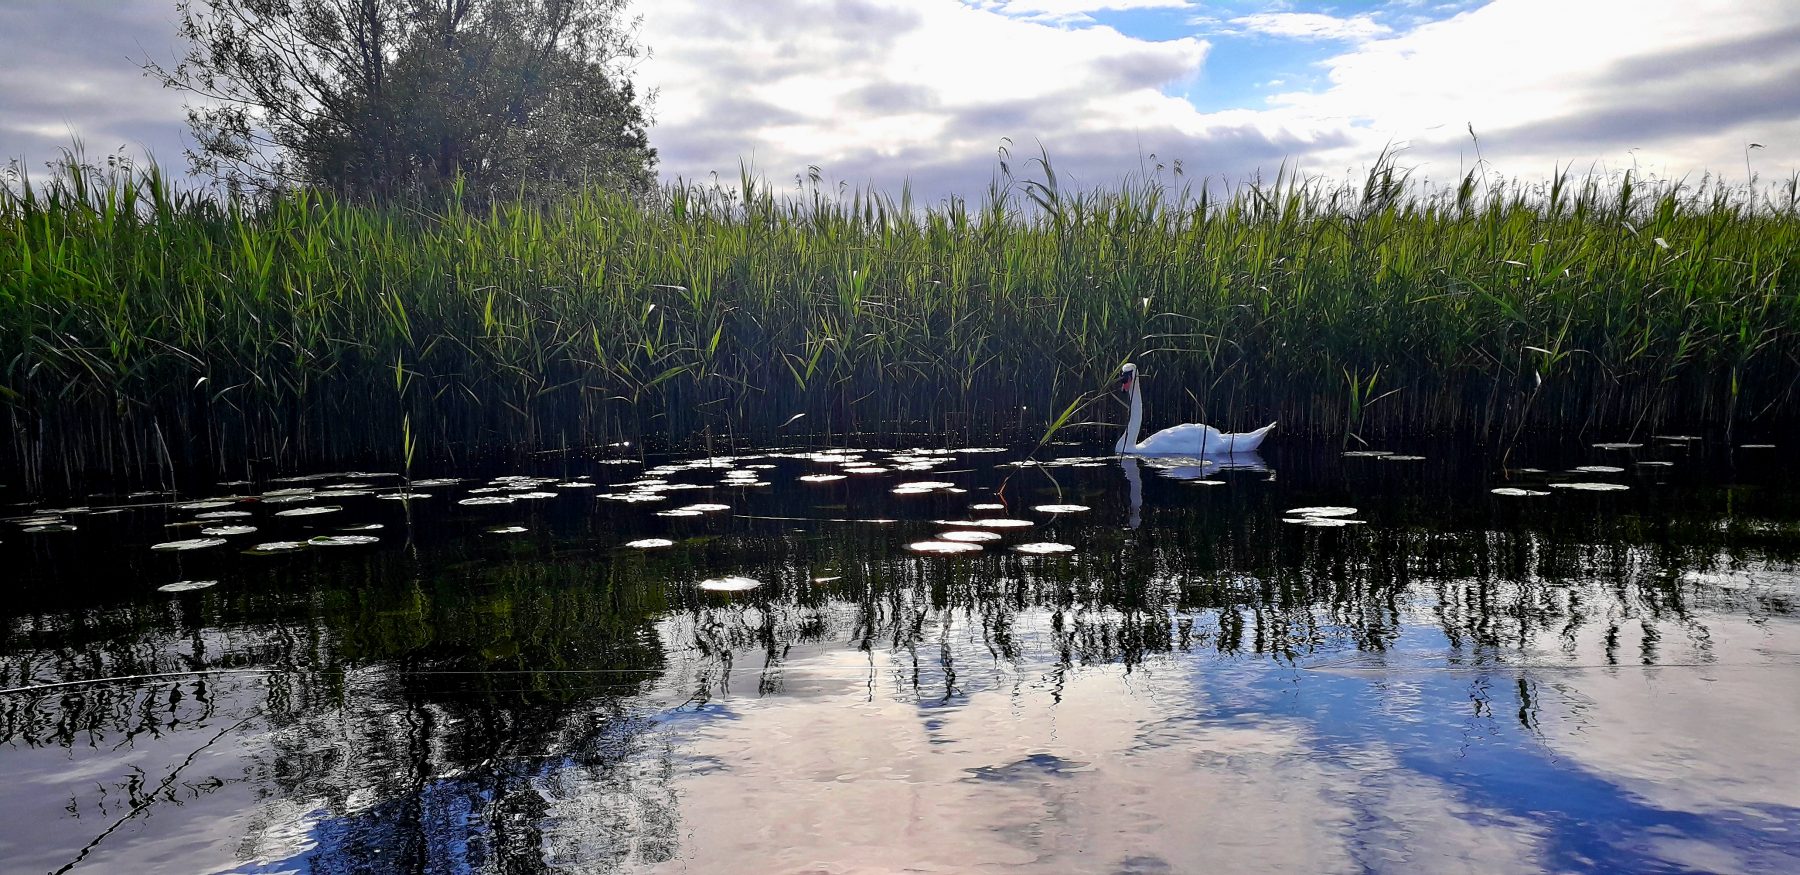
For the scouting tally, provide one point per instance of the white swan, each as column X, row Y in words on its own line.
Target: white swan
column 1192, row 439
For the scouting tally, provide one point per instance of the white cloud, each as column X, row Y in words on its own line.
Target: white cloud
column 1071, row 9
column 885, row 90
column 1675, row 85
column 880, row 91
column 1311, row 26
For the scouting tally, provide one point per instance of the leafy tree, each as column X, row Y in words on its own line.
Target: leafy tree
column 377, row 97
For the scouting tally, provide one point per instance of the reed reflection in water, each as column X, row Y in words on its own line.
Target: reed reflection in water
column 1461, row 682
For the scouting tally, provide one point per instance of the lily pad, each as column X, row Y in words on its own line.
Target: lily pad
column 944, row 547
column 203, row 505
column 186, row 585
column 189, row 544
column 649, row 543
column 223, row 515
column 489, row 499
column 1599, row 469
column 1620, row 445
column 969, row 537
column 1591, row 487
column 730, row 584
column 268, row 547
column 228, row 530
column 1060, row 508
column 821, row 478
column 1044, row 547
column 508, row 530
column 679, row 511
column 987, row 506
column 708, row 508
column 342, row 540
column 309, row 511
column 1515, row 491
column 47, row 528
column 1322, row 511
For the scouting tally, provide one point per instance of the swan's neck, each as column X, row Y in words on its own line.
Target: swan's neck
column 1128, row 441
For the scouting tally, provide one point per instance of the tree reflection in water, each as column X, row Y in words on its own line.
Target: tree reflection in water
column 458, row 703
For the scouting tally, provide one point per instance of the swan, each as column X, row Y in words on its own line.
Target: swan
column 1192, row 439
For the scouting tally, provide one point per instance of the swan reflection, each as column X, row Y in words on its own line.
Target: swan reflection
column 1183, row 468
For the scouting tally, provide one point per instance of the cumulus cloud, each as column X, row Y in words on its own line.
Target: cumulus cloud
column 1071, row 10
column 1673, row 85
column 882, row 91
column 885, row 91
column 1311, row 26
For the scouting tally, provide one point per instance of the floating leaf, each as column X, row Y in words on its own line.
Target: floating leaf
column 48, row 528
column 679, row 511
column 1617, row 446
column 730, row 584
column 309, row 511
column 203, row 505
column 342, row 540
column 1591, row 487
column 189, row 544
column 488, row 499
column 223, row 515
column 944, row 547
column 821, row 478
column 708, row 508
column 1515, row 491
column 186, row 585
column 228, row 530
column 508, row 530
column 1044, row 547
column 1060, row 508
column 1598, row 469
column 986, row 523
column 268, row 547
column 1323, row 511
column 650, row 543
column 969, row 536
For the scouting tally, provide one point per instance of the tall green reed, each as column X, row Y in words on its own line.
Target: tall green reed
column 307, row 330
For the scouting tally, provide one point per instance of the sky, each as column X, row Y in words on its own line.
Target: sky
column 882, row 93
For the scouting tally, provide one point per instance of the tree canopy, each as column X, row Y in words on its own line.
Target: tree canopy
column 376, row 97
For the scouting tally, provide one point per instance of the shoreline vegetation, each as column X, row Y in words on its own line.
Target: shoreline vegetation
column 146, row 329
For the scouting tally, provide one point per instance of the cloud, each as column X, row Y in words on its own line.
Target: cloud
column 1672, row 85
column 1071, row 10
column 922, row 90
column 99, row 93
column 1311, row 26
column 884, row 91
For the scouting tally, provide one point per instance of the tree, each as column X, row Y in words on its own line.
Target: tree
column 373, row 98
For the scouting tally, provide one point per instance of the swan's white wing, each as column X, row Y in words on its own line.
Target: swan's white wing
column 1243, row 442
column 1181, row 440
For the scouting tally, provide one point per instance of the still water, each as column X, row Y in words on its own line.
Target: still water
column 918, row 660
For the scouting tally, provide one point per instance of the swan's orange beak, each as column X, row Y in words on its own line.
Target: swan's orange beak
column 1125, row 384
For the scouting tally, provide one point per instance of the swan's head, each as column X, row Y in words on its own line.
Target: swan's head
column 1127, row 376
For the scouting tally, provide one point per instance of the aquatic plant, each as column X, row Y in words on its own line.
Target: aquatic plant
column 145, row 328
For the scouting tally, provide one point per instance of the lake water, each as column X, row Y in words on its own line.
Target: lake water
column 1302, row 661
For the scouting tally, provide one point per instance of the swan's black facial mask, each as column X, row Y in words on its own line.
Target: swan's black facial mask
column 1125, row 383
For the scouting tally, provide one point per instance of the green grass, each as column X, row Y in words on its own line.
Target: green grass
column 142, row 326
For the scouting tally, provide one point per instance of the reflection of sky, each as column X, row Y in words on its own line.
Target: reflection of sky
column 1476, row 734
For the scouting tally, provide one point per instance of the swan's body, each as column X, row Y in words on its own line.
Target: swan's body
column 1192, row 439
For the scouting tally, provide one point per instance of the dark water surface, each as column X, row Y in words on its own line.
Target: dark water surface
column 1449, row 681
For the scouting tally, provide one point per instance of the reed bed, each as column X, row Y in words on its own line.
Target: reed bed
column 145, row 329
